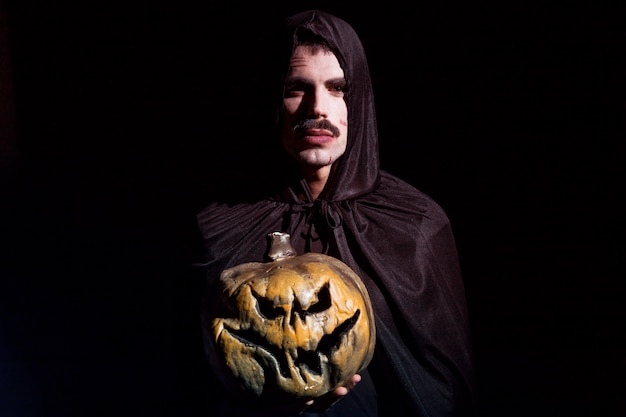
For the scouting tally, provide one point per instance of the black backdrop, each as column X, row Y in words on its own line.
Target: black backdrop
column 124, row 116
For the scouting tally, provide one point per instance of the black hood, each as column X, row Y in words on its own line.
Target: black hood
column 357, row 171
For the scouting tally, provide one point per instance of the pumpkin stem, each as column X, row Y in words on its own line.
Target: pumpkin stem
column 280, row 246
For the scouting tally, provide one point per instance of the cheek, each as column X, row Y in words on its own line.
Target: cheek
column 288, row 121
column 290, row 107
column 343, row 126
column 342, row 119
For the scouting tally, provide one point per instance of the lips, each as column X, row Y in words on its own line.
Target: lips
column 317, row 136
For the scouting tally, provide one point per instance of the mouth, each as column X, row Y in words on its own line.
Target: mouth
column 303, row 359
column 316, row 136
column 316, row 131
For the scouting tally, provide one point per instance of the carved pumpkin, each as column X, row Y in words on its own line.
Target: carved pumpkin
column 295, row 327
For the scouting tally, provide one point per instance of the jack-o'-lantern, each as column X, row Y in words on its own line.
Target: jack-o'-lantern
column 298, row 326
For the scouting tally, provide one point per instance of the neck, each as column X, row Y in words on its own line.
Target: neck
column 317, row 180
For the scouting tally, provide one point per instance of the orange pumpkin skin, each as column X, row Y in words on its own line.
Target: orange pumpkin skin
column 296, row 327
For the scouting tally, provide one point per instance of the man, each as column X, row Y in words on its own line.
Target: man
column 337, row 201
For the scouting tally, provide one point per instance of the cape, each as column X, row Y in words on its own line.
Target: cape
column 396, row 238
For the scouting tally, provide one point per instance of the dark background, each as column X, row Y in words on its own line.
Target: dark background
column 119, row 118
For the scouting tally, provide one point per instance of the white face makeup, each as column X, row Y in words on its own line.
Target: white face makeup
column 315, row 113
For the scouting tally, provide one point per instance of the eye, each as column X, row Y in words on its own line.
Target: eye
column 295, row 88
column 338, row 87
column 323, row 303
column 293, row 92
column 266, row 308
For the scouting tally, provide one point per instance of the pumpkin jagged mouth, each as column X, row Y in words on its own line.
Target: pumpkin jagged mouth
column 310, row 359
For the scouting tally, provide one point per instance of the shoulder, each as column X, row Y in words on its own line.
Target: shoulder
column 396, row 195
column 219, row 210
column 225, row 218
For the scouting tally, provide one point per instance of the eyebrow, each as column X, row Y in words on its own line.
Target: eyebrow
column 338, row 80
column 297, row 80
column 306, row 81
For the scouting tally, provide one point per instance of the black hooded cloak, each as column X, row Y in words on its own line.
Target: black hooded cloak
column 395, row 237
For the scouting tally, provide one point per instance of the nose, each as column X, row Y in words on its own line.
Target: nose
column 319, row 104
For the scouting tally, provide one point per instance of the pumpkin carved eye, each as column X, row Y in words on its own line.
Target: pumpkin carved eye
column 298, row 326
column 267, row 309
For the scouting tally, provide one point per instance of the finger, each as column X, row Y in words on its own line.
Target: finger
column 353, row 382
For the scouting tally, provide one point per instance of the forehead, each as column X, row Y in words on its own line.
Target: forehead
column 308, row 58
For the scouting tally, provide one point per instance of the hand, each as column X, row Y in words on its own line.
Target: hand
column 327, row 400
column 318, row 404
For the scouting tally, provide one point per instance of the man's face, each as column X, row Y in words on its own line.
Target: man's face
column 315, row 129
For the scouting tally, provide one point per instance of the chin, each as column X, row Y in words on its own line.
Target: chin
column 314, row 159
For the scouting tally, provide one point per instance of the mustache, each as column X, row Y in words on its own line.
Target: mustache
column 315, row 124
